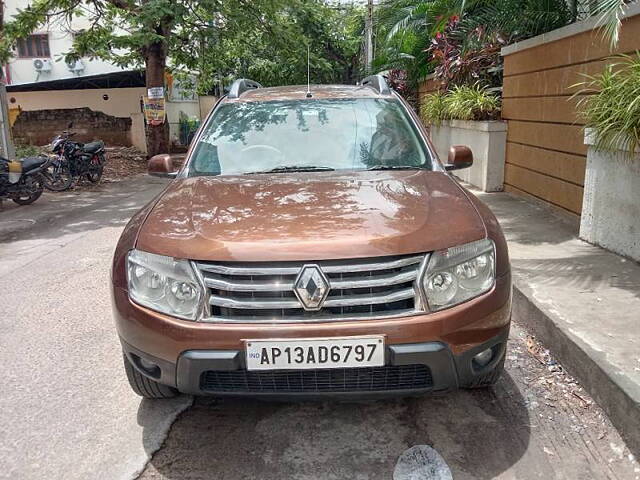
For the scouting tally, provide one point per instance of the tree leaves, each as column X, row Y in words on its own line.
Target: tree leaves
column 219, row 40
column 610, row 104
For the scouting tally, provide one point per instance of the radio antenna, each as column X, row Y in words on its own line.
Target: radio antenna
column 308, row 72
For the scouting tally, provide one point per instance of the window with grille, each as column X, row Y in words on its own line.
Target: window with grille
column 34, row 46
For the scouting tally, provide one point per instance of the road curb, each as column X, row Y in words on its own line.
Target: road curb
column 615, row 393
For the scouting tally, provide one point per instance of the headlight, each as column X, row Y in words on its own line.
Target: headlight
column 459, row 273
column 163, row 284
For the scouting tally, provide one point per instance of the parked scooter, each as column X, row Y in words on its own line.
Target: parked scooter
column 22, row 180
column 74, row 160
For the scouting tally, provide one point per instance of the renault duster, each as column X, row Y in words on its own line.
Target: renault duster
column 312, row 244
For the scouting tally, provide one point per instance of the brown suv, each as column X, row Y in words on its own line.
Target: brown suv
column 311, row 245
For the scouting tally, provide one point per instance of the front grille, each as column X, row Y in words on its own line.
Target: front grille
column 365, row 379
column 362, row 288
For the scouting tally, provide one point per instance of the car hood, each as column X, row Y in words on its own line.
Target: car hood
column 309, row 216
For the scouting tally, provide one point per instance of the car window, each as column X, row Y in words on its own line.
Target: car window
column 344, row 134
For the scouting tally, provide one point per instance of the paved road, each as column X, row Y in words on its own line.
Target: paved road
column 536, row 424
column 67, row 411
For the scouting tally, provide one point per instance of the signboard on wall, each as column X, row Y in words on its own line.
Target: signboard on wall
column 154, row 110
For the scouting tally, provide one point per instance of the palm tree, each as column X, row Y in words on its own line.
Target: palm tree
column 398, row 17
column 404, row 31
column 406, row 27
column 610, row 17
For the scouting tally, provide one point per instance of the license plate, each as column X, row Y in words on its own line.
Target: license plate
column 308, row 353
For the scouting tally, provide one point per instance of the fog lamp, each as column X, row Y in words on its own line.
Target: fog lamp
column 483, row 358
column 147, row 365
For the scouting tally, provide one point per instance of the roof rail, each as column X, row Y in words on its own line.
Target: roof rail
column 378, row 83
column 242, row 85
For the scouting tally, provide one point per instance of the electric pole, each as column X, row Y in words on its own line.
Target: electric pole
column 368, row 32
column 6, row 144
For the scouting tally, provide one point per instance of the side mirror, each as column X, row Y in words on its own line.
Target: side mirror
column 162, row 166
column 460, row 156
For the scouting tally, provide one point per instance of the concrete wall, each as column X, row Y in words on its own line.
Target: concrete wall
column 189, row 108
column 487, row 140
column 611, row 208
column 207, row 103
column 138, row 132
column 38, row 127
column 546, row 155
column 60, row 41
column 122, row 102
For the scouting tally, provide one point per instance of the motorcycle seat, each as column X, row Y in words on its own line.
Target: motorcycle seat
column 30, row 163
column 93, row 147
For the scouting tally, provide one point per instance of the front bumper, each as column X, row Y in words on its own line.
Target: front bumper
column 444, row 342
column 413, row 368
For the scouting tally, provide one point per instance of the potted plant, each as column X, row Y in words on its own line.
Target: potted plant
column 466, row 109
column 611, row 202
column 469, row 115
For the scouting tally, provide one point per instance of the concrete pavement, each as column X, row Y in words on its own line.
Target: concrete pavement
column 581, row 300
column 67, row 410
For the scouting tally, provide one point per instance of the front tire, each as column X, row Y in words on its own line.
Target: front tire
column 57, row 176
column 144, row 386
column 35, row 190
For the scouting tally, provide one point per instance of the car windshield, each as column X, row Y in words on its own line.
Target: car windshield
column 308, row 135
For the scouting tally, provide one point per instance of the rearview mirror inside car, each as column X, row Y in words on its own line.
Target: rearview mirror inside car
column 162, row 166
column 460, row 156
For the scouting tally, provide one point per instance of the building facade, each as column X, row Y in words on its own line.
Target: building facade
column 40, row 57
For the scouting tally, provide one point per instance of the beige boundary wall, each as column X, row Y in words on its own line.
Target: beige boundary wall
column 207, row 102
column 546, row 154
column 121, row 103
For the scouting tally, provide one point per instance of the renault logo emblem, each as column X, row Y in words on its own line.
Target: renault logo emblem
column 311, row 287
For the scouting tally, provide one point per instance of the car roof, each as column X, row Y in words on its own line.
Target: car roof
column 299, row 92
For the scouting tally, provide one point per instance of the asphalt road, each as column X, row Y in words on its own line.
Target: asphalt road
column 67, row 411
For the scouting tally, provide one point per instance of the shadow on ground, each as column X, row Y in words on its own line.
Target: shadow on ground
column 567, row 262
column 479, row 433
column 522, row 225
column 56, row 215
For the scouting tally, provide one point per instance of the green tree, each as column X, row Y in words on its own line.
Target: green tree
column 609, row 13
column 128, row 32
column 215, row 39
column 407, row 29
column 274, row 52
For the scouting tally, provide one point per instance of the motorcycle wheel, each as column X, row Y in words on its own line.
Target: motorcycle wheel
column 27, row 198
column 57, row 176
column 95, row 174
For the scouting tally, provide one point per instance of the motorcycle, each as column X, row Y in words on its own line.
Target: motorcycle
column 74, row 160
column 22, row 181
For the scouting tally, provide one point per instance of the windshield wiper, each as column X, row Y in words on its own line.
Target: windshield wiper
column 394, row 167
column 293, row 168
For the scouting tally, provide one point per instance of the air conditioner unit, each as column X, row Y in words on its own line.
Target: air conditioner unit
column 76, row 66
column 42, row 65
